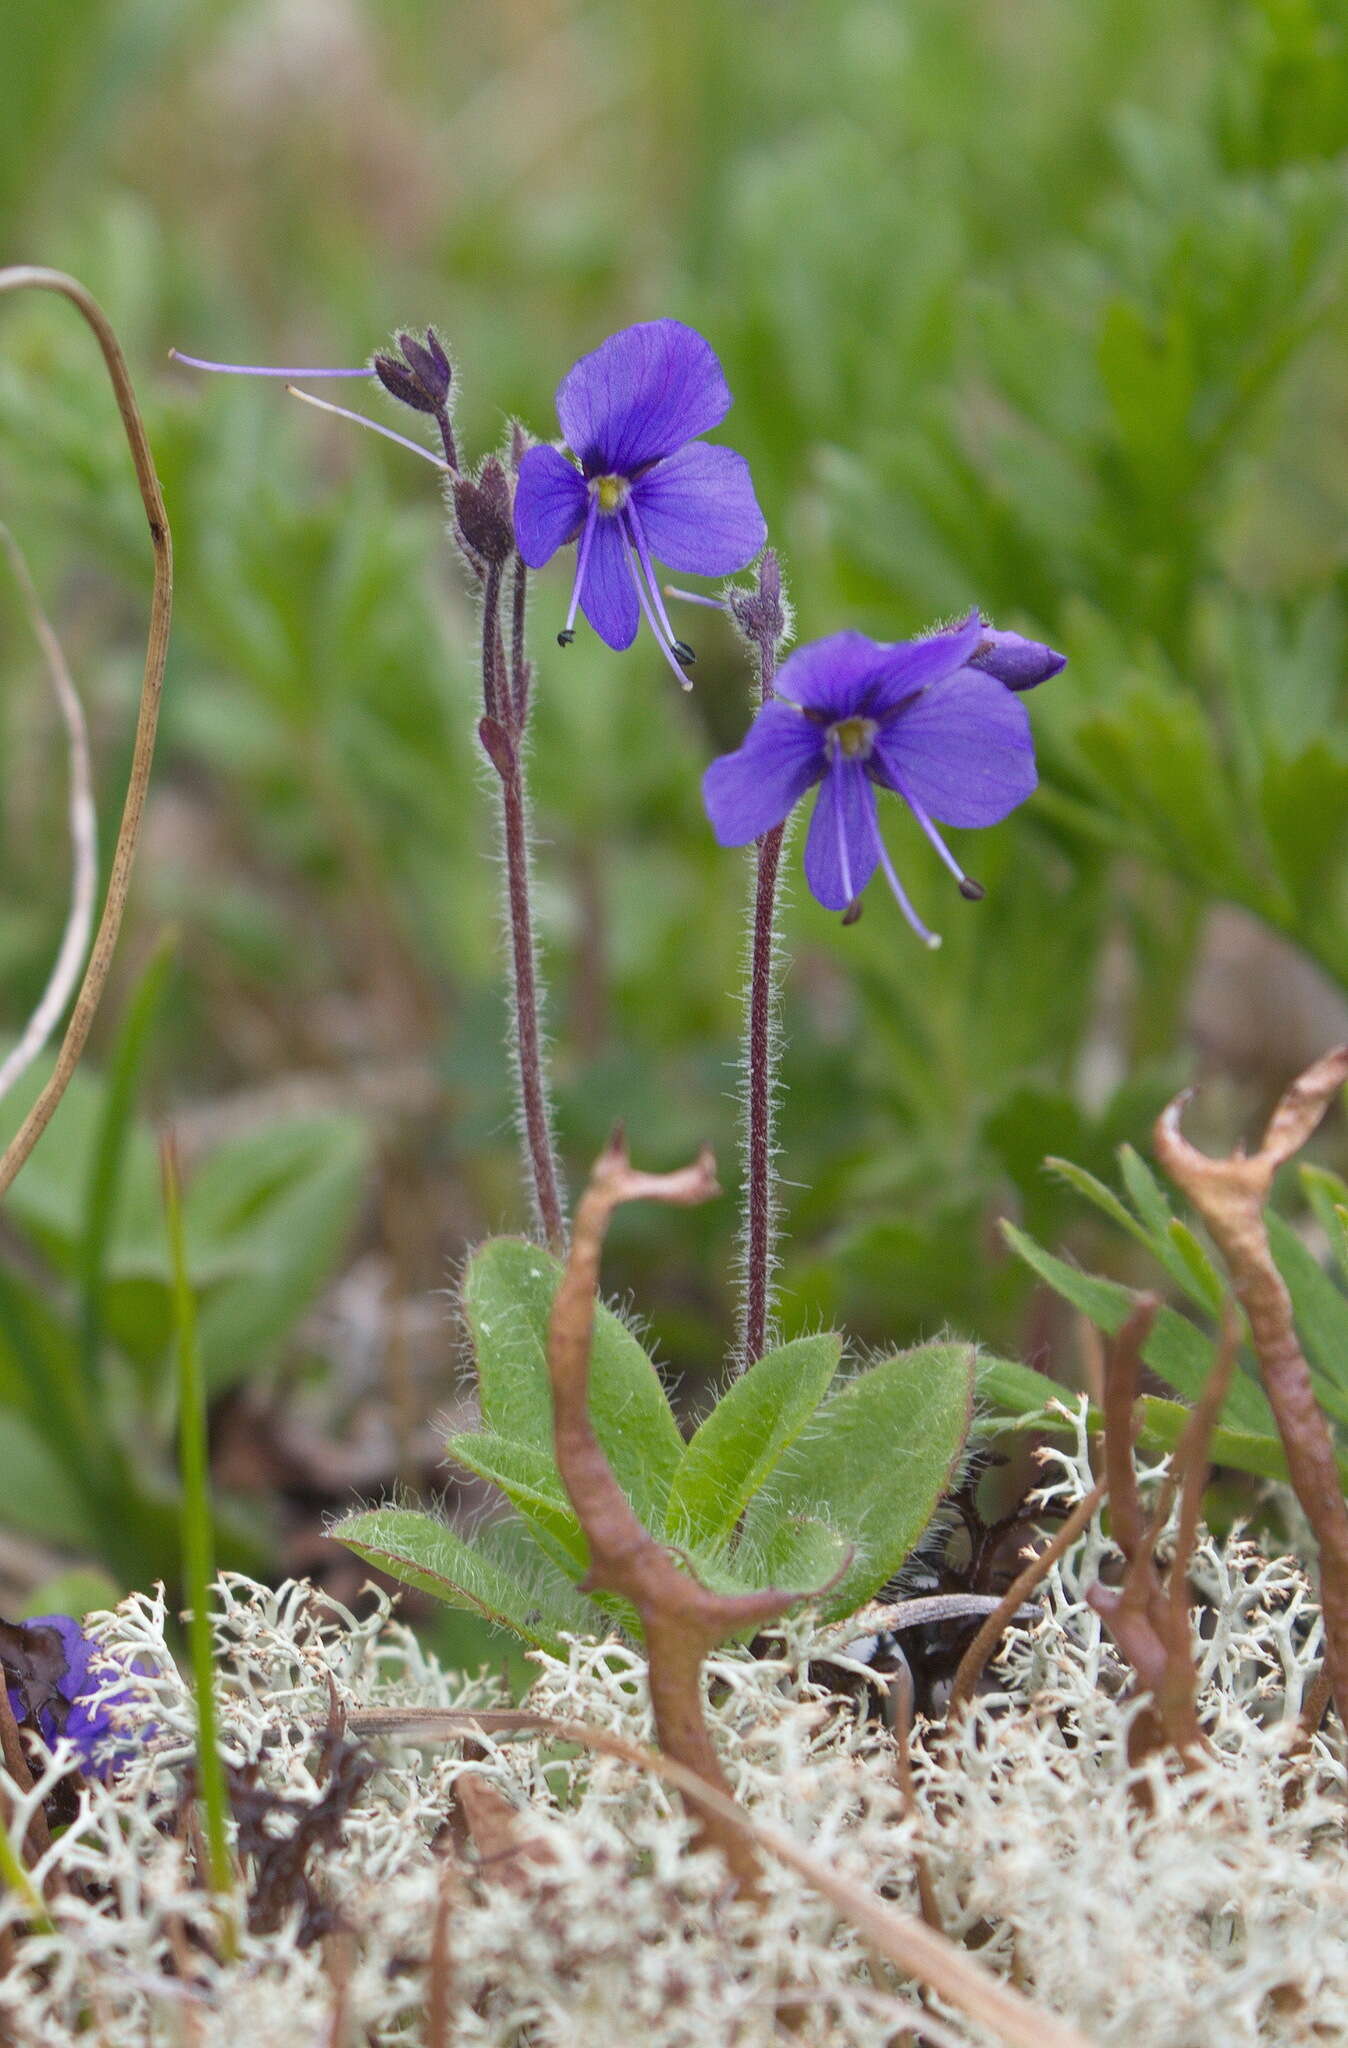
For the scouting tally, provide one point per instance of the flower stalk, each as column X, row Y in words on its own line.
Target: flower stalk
column 762, row 620
column 502, row 733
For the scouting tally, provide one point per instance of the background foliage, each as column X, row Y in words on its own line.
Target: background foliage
column 1039, row 308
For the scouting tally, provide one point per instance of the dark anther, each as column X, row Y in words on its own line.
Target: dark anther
column 566, row 636
column 853, row 911
column 683, row 654
column 970, row 890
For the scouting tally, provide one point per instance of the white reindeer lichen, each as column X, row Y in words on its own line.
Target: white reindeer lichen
column 1159, row 1908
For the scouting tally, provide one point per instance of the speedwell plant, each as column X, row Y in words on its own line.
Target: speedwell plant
column 804, row 1477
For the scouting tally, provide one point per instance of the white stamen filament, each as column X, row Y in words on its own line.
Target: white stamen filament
column 260, row 369
column 843, row 860
column 934, row 836
column 929, row 939
column 685, row 681
column 648, row 567
column 582, row 561
column 344, row 412
column 713, row 604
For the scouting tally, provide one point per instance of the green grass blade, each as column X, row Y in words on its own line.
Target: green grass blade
column 109, row 1153
column 198, row 1534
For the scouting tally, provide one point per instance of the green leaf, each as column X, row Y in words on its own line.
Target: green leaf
column 1328, row 1197
column 1321, row 1313
column 1022, row 1396
column 1145, row 1191
column 873, row 1466
column 111, row 1145
column 76, row 1592
column 268, row 1216
column 508, row 1292
column 1171, row 1243
column 741, row 1441
column 1012, row 1391
column 40, row 1494
column 1244, row 1450
column 1156, row 759
column 530, row 1480
column 801, row 1556
column 1207, row 1288
column 1104, row 1198
column 1304, row 802
column 426, row 1553
column 1176, row 1350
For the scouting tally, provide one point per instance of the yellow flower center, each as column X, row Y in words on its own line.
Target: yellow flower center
column 853, row 738
column 611, row 492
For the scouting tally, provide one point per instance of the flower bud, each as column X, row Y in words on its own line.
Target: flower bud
column 1015, row 661
column 760, row 614
column 421, row 379
column 482, row 505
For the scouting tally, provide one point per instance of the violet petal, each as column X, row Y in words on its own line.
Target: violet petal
column 699, row 511
column 753, row 789
column 912, row 665
column 962, row 750
column 844, row 820
column 640, row 395
column 608, row 596
column 550, row 499
column 831, row 676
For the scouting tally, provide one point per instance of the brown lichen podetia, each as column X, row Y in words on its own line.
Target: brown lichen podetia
column 1230, row 1195
column 680, row 1619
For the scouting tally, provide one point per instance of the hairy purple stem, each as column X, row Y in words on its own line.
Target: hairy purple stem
column 519, row 664
column 760, row 1185
column 503, row 739
column 447, row 441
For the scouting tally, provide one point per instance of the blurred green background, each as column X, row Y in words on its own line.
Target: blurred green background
column 1037, row 307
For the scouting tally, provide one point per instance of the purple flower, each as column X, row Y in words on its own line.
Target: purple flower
column 1015, row 661
column 58, row 1682
column 916, row 717
column 647, row 489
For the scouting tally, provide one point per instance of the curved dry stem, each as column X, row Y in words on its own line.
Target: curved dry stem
column 31, row 277
column 1230, row 1195
column 930, row 1958
column 681, row 1620
column 972, row 1663
column 83, row 832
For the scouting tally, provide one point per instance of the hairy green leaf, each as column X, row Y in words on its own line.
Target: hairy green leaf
column 741, row 1441
column 874, row 1464
column 508, row 1293
column 530, row 1480
column 426, row 1553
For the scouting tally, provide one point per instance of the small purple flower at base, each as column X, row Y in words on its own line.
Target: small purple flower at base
column 648, row 489
column 917, row 717
column 1019, row 663
column 57, row 1682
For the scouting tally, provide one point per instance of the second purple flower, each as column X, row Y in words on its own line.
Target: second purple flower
column 934, row 720
column 647, row 488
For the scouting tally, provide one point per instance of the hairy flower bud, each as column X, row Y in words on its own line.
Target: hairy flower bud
column 421, row 378
column 1019, row 663
column 761, row 614
column 484, row 512
column 496, row 746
